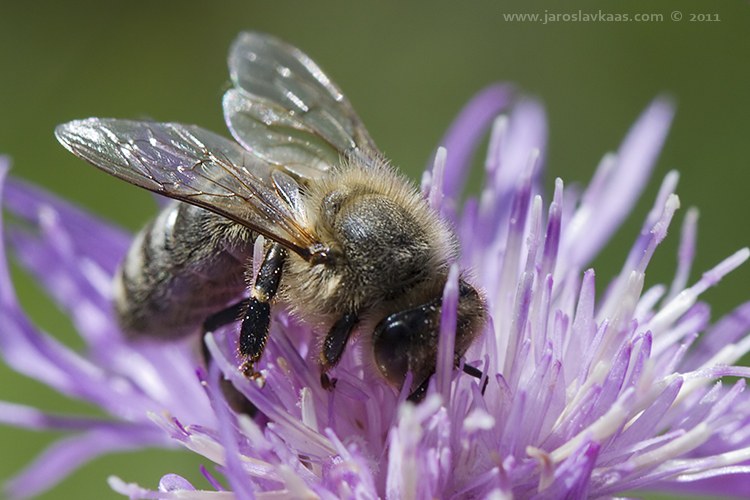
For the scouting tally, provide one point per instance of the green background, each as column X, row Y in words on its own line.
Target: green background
column 407, row 67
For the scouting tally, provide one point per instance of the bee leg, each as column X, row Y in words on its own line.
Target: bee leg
column 326, row 382
column 257, row 319
column 225, row 316
column 419, row 393
column 336, row 339
column 237, row 401
column 476, row 373
column 216, row 321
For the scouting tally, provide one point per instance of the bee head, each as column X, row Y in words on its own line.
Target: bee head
column 407, row 341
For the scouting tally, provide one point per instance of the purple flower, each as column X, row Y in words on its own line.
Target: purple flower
column 581, row 397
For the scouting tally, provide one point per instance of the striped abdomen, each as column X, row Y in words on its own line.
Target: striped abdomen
column 185, row 265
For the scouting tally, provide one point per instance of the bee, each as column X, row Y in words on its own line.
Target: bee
column 353, row 248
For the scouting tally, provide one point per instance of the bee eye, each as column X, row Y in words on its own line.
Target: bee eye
column 391, row 341
column 407, row 340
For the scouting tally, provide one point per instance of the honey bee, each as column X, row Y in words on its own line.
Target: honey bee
column 353, row 248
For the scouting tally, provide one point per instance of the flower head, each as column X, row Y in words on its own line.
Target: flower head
column 581, row 396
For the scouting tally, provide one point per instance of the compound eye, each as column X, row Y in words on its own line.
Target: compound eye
column 407, row 340
column 390, row 343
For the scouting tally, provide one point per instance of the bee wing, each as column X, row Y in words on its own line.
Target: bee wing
column 285, row 110
column 196, row 166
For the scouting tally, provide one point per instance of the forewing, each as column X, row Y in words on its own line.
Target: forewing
column 194, row 165
column 285, row 110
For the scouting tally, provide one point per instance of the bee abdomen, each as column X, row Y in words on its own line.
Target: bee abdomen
column 184, row 266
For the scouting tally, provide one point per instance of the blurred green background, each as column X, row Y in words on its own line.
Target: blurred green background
column 407, row 67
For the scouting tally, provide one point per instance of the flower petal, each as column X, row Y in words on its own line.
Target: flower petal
column 467, row 130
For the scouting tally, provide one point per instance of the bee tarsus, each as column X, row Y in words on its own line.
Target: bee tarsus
column 336, row 339
column 326, row 382
column 477, row 374
column 257, row 319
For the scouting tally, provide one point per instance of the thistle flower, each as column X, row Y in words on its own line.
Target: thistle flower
column 581, row 397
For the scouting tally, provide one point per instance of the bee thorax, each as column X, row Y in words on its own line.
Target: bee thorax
column 383, row 244
column 387, row 249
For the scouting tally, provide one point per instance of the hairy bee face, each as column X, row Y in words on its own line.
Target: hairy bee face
column 352, row 245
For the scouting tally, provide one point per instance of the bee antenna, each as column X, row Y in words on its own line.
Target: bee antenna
column 476, row 373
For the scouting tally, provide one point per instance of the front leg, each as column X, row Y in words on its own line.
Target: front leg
column 257, row 319
column 334, row 345
column 336, row 339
